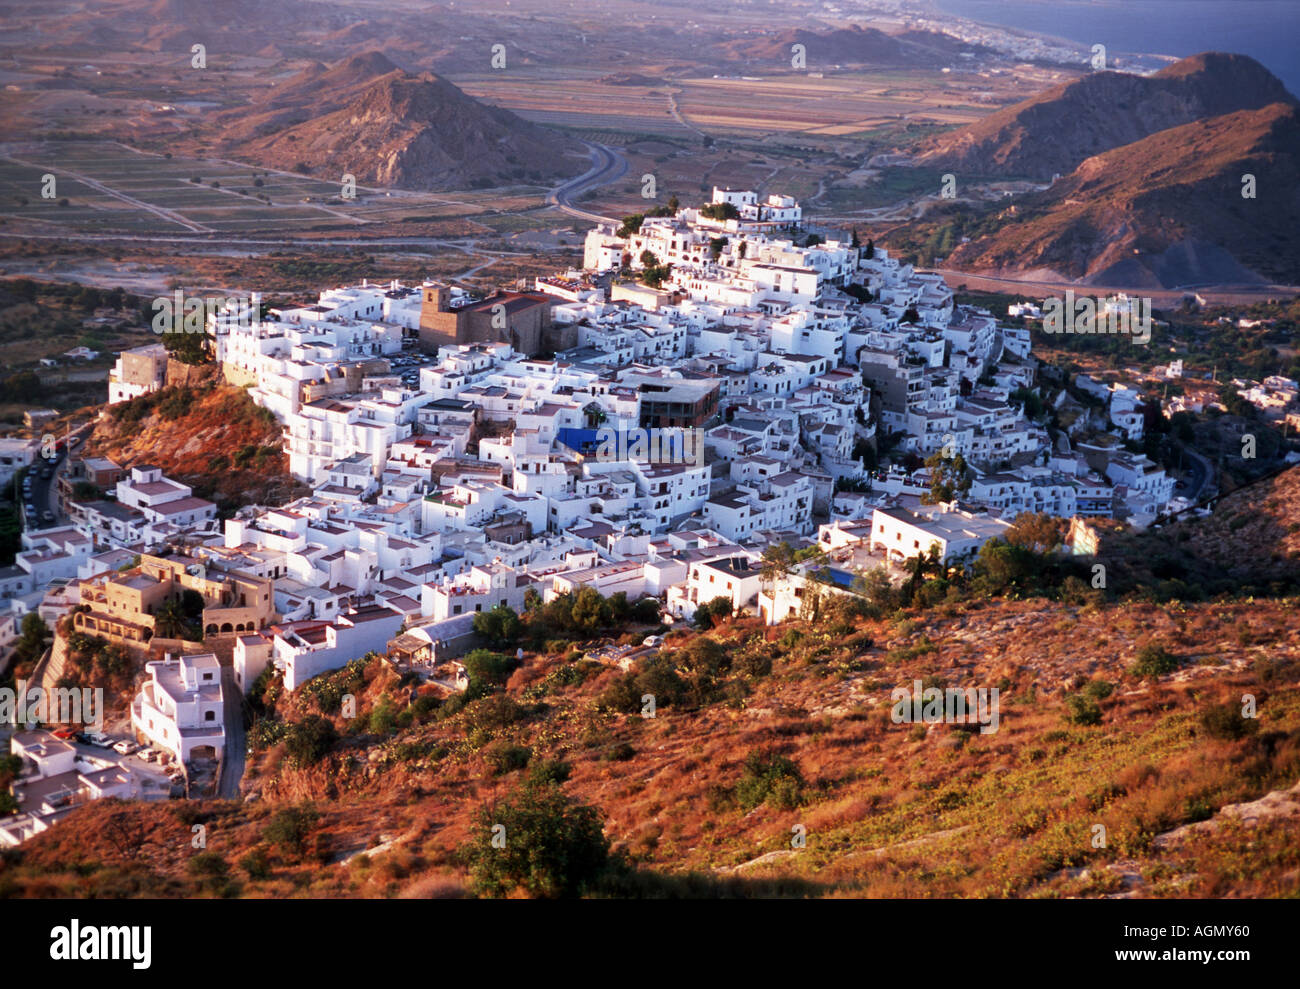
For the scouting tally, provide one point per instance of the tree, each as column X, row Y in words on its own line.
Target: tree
column 646, row 611
column 499, row 625
column 310, row 740
column 590, row 610
column 712, row 612
column 630, row 225
column 778, row 560
column 169, row 620
column 1038, row 532
column 923, row 564
column 538, row 841
column 859, row 292
column 720, row 211
column 949, row 477
column 869, row 251
column 487, row 671
column 125, row 832
column 188, row 348
column 31, row 641
column 910, row 315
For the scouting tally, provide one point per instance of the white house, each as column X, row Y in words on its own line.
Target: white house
column 181, row 706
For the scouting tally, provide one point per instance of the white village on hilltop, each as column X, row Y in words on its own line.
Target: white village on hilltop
column 451, row 445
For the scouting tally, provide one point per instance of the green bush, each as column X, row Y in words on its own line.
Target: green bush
column 506, row 757
column 1099, row 689
column 1225, row 721
column 548, row 771
column 289, row 828
column 1082, row 709
column 208, row 865
column 537, row 841
column 256, row 864
column 772, row 779
column 1153, row 660
column 310, row 740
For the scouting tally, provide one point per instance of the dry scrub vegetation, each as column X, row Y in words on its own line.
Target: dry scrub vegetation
column 1119, row 710
column 702, row 799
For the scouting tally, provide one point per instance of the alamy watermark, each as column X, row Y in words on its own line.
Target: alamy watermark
column 1085, row 315
column 953, row 706
column 59, row 706
column 179, row 313
column 672, row 445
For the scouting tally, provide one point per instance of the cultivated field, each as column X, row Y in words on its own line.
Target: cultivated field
column 110, row 188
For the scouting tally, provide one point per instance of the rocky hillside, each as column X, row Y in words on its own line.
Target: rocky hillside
column 1112, row 711
column 388, row 127
column 1164, row 211
column 1052, row 133
column 703, row 798
column 210, row 436
column 1251, row 541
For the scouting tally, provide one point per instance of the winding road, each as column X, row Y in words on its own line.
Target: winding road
column 607, row 165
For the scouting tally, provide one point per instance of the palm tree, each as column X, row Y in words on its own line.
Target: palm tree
column 169, row 620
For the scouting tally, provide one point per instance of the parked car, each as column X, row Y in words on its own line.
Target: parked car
column 65, row 733
column 99, row 739
column 126, row 748
column 653, row 640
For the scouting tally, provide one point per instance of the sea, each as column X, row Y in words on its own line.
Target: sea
column 1266, row 30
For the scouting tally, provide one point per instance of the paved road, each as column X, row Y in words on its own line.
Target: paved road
column 232, row 763
column 1201, row 470
column 45, row 492
column 607, row 165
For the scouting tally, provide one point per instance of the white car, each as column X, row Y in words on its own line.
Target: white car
column 125, row 748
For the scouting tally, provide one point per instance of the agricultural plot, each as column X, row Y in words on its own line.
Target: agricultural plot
column 111, row 188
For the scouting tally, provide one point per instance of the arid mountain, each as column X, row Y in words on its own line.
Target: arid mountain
column 1165, row 211
column 367, row 117
column 854, row 45
column 1053, row 132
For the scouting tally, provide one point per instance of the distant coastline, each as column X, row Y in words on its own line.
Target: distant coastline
column 1263, row 29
